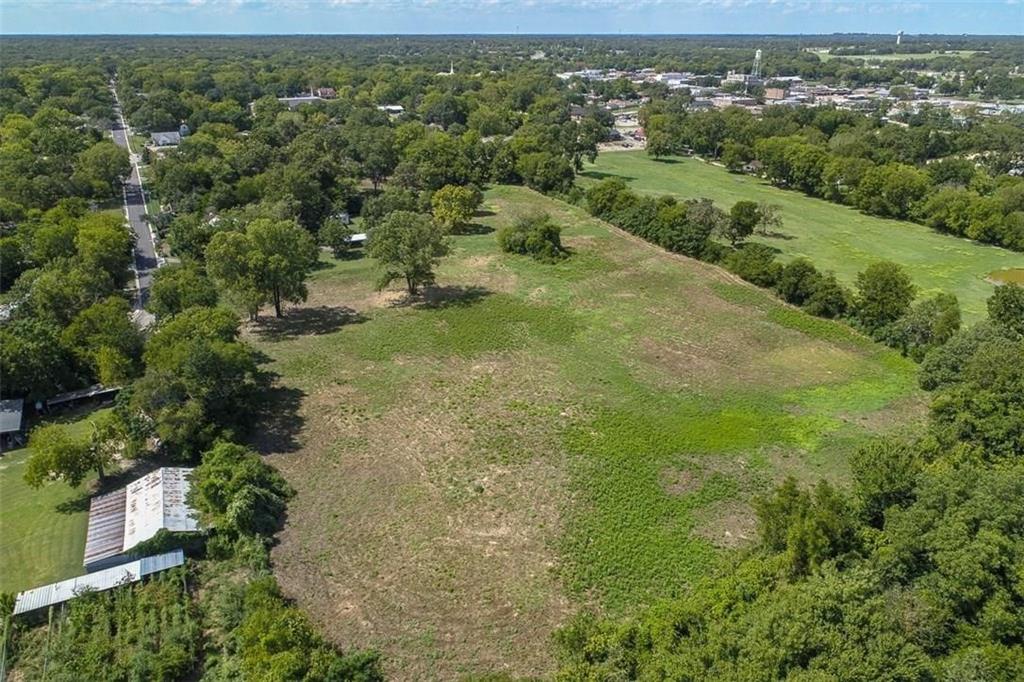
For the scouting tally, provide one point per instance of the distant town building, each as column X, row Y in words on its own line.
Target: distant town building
column 294, row 103
column 326, row 93
column 775, row 93
column 392, row 109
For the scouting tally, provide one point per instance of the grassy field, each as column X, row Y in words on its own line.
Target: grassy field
column 42, row 532
column 834, row 237
column 531, row 439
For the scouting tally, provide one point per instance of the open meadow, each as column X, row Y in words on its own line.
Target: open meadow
column 532, row 439
column 834, row 237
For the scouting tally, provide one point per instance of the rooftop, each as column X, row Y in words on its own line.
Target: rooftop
column 131, row 572
column 120, row 520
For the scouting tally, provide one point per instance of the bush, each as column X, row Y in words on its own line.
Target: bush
column 829, row 299
column 798, row 281
column 535, row 236
column 756, row 264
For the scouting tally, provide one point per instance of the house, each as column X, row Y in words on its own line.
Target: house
column 171, row 138
column 326, row 93
column 775, row 93
column 392, row 109
column 121, row 520
column 11, row 422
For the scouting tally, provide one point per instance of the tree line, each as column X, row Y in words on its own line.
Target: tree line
column 950, row 178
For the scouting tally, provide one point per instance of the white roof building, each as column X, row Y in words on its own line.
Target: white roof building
column 125, row 574
column 120, row 520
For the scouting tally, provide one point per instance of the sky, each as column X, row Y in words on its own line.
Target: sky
column 511, row 16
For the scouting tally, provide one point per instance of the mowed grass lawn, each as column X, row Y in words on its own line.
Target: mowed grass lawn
column 834, row 237
column 42, row 531
column 539, row 438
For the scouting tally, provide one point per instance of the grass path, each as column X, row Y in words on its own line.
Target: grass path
column 834, row 237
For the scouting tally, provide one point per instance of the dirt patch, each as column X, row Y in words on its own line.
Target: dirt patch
column 728, row 524
column 427, row 531
column 681, row 481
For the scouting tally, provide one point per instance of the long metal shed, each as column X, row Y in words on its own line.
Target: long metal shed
column 125, row 574
column 120, row 520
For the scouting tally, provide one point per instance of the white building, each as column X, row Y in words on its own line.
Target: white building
column 121, row 520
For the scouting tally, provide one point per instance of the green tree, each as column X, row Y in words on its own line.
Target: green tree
column 269, row 262
column 407, row 246
column 286, row 255
column 829, row 299
column 769, row 217
column 104, row 243
column 237, row 492
column 104, row 339
column 885, row 473
column 535, row 235
column 735, row 155
column 336, row 235
column 454, row 206
column 928, row 323
column 884, row 294
column 101, row 167
column 178, row 287
column 798, row 281
column 743, row 217
column 1006, row 307
column 33, row 363
column 891, row 190
column 59, row 454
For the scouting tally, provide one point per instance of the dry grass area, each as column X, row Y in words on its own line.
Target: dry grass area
column 474, row 467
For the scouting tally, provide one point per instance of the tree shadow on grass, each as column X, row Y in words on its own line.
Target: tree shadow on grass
column 275, row 421
column 474, row 228
column 435, row 298
column 312, row 321
column 777, row 235
column 484, row 213
column 601, row 175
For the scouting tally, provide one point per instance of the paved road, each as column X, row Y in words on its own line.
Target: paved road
column 146, row 261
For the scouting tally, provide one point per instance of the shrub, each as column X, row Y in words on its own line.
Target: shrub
column 535, row 236
column 798, row 281
column 829, row 298
column 756, row 264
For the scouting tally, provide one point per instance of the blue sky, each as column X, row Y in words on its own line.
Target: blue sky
column 511, row 16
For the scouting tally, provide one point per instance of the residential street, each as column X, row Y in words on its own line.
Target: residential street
column 146, row 260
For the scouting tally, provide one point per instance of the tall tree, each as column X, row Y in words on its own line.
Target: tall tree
column 884, row 294
column 407, row 246
column 269, row 262
column 453, row 206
